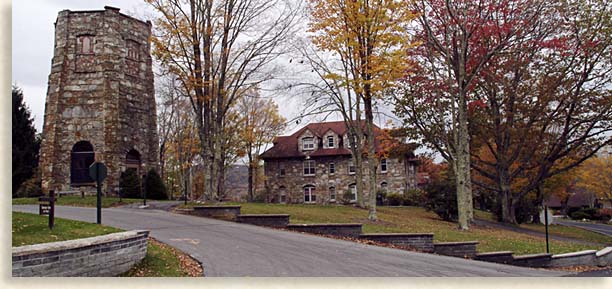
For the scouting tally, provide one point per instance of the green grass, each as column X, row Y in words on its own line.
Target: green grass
column 416, row 220
column 77, row 201
column 33, row 229
column 30, row 229
column 571, row 232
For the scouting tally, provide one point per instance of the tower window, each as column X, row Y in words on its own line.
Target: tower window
column 133, row 50
column 85, row 44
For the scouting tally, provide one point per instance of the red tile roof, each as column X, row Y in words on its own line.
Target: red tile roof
column 287, row 146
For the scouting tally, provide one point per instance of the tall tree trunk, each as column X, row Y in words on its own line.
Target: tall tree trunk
column 462, row 174
column 372, row 159
column 250, row 186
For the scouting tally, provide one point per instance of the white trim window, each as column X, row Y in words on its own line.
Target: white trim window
column 332, row 194
column 330, row 141
column 309, row 168
column 383, row 165
column 309, row 194
column 308, row 143
column 353, row 190
column 351, row 168
column 282, row 196
column 332, row 168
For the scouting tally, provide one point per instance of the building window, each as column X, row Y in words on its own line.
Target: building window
column 383, row 165
column 282, row 195
column 332, row 168
column 308, row 143
column 383, row 186
column 330, row 141
column 133, row 48
column 332, row 194
column 281, row 171
column 351, row 168
column 309, row 168
column 353, row 190
column 85, row 44
column 309, row 194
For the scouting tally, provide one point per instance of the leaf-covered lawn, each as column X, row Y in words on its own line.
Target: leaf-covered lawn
column 77, row 201
column 417, row 220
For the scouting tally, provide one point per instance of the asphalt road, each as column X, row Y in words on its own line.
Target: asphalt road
column 235, row 250
column 599, row 228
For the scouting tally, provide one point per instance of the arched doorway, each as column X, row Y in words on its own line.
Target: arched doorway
column 81, row 157
column 132, row 161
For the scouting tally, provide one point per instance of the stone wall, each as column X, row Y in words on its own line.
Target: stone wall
column 293, row 181
column 343, row 230
column 421, row 242
column 220, row 212
column 105, row 97
column 456, row 249
column 503, row 257
column 268, row 220
column 101, row 256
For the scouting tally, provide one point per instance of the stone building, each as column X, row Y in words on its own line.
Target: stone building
column 100, row 100
column 314, row 165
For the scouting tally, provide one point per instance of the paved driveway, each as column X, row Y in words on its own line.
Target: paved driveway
column 599, row 228
column 234, row 250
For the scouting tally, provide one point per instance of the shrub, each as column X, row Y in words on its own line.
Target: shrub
column 587, row 213
column 394, row 199
column 414, row 197
column 129, row 184
column 31, row 188
column 154, row 186
column 347, row 197
column 442, row 199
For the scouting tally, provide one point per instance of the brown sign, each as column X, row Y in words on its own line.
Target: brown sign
column 44, row 209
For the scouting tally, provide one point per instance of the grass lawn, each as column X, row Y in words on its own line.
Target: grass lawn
column 160, row 261
column 77, row 201
column 417, row 220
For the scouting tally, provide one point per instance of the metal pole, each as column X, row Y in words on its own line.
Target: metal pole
column 51, row 209
column 99, row 197
column 546, row 225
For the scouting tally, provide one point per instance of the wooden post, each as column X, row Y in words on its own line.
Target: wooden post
column 52, row 209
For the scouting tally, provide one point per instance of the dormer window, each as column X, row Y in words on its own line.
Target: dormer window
column 308, row 143
column 330, row 141
column 85, row 44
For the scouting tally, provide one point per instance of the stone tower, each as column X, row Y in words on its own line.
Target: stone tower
column 100, row 100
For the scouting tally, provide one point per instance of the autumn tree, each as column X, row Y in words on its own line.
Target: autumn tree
column 546, row 102
column 595, row 175
column 218, row 49
column 260, row 123
column 457, row 40
column 369, row 40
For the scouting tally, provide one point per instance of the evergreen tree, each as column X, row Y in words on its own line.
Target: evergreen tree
column 130, row 185
column 26, row 144
column 154, row 186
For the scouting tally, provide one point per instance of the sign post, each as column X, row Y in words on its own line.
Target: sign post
column 97, row 171
column 546, row 225
column 48, row 208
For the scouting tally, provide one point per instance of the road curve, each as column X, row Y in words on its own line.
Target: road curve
column 598, row 228
column 235, row 250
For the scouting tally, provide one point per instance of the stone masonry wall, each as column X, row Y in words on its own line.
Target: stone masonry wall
column 104, row 97
column 101, row 256
column 293, row 181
